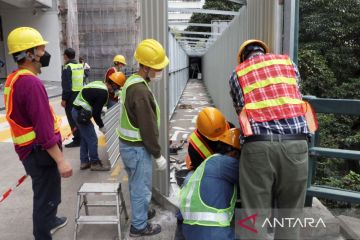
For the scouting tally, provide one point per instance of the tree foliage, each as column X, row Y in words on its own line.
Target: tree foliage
column 329, row 63
column 330, row 47
column 207, row 18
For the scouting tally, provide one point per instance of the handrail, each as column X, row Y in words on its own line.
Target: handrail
column 331, row 106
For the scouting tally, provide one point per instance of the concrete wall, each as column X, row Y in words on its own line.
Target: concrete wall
column 47, row 23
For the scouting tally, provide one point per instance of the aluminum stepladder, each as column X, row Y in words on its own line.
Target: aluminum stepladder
column 103, row 189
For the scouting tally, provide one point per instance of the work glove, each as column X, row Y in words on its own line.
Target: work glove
column 161, row 163
column 103, row 130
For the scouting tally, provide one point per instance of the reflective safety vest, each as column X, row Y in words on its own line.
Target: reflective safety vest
column 77, row 76
column 193, row 208
column 271, row 92
column 200, row 146
column 81, row 102
column 126, row 130
column 22, row 136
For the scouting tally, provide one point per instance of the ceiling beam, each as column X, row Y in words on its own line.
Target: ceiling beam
column 195, row 38
column 191, row 24
column 204, row 11
column 196, row 33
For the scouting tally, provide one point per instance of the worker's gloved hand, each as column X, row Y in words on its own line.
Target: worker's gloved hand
column 103, row 130
column 161, row 163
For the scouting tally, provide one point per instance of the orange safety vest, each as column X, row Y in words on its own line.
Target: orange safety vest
column 22, row 136
column 199, row 144
column 271, row 92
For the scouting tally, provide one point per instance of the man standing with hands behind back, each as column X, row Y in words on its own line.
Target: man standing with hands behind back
column 35, row 130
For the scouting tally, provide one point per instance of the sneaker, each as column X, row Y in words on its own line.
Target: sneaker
column 72, row 144
column 151, row 213
column 84, row 166
column 58, row 223
column 98, row 166
column 150, row 229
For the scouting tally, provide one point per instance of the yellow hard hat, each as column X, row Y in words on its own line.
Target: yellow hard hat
column 151, row 53
column 231, row 137
column 211, row 123
column 120, row 59
column 24, row 38
column 240, row 55
column 118, row 78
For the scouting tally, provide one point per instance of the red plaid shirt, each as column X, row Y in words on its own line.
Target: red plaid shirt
column 272, row 68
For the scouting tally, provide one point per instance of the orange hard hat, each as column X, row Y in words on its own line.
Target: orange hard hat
column 211, row 123
column 231, row 137
column 244, row 48
column 118, row 78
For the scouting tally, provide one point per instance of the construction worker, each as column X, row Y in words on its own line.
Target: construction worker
column 210, row 124
column 89, row 103
column 119, row 62
column 203, row 142
column 138, row 132
column 87, row 68
column 115, row 83
column 35, row 130
column 207, row 201
column 72, row 80
column 275, row 124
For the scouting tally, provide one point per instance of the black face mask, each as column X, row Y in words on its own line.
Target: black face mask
column 45, row 59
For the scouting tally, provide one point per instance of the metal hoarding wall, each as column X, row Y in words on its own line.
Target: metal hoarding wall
column 154, row 25
column 261, row 19
column 178, row 72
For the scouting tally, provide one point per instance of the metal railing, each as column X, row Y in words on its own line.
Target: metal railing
column 331, row 106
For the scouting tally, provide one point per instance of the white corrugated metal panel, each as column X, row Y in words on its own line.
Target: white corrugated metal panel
column 259, row 19
column 178, row 72
column 154, row 25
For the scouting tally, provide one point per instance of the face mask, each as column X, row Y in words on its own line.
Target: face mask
column 45, row 59
column 158, row 76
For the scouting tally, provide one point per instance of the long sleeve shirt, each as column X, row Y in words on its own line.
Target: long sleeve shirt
column 220, row 175
column 141, row 109
column 296, row 125
column 97, row 98
column 66, row 82
column 33, row 110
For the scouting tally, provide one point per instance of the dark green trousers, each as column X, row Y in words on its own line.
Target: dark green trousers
column 273, row 173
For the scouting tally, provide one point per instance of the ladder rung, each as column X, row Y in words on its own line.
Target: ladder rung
column 102, row 204
column 97, row 220
column 99, row 188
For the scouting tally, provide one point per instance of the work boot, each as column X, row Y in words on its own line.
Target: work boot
column 151, row 213
column 150, row 229
column 58, row 223
column 84, row 166
column 98, row 166
column 72, row 144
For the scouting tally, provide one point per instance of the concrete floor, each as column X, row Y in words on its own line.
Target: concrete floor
column 16, row 210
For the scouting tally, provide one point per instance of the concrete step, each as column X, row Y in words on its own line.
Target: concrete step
column 349, row 227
